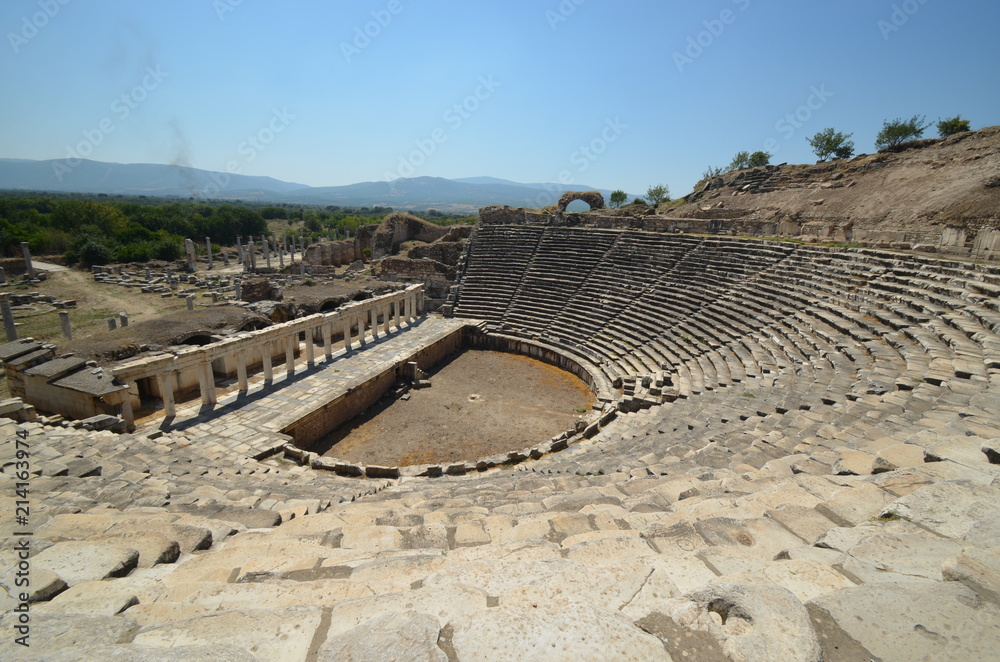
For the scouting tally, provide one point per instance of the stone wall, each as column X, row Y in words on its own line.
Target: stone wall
column 981, row 242
column 331, row 254
column 310, row 428
column 385, row 239
column 435, row 276
column 445, row 252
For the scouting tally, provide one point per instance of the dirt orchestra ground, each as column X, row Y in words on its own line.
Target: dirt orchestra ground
column 480, row 404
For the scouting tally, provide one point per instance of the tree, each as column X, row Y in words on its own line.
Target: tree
column 739, row 162
column 830, row 143
column 657, row 194
column 758, row 159
column 950, row 127
column 898, row 131
column 618, row 198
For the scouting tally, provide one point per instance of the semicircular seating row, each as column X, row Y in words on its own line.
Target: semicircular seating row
column 792, row 328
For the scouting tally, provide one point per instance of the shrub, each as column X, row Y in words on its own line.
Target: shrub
column 830, row 143
column 657, row 194
column 93, row 249
column 167, row 250
column 758, row 159
column 740, row 161
column 899, row 131
column 950, row 127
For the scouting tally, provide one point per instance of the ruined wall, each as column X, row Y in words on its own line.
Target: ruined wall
column 436, row 277
column 445, row 252
column 980, row 242
column 311, row 427
column 385, row 239
column 331, row 254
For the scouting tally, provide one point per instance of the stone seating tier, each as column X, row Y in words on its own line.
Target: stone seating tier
column 824, row 487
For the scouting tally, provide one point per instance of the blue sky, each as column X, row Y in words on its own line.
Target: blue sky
column 611, row 94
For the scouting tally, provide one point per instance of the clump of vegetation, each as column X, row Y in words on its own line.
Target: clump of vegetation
column 832, row 144
column 953, row 125
column 899, row 131
column 106, row 229
column 618, row 198
column 657, row 194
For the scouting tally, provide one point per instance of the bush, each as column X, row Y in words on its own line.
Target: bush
column 740, row 161
column 134, row 253
column 950, row 127
column 167, row 250
column 898, row 131
column 93, row 249
column 758, row 159
column 657, row 194
column 830, row 143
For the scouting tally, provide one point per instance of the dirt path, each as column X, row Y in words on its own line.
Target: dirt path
column 480, row 404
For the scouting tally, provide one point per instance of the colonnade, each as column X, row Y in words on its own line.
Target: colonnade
column 358, row 321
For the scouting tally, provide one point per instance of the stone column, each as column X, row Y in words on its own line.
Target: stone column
column 387, row 318
column 328, row 341
column 373, row 317
column 127, row 414
column 8, row 317
column 362, row 318
column 28, row 267
column 396, row 306
column 348, row 332
column 239, row 290
column 149, row 274
column 208, row 250
column 67, row 329
column 123, row 319
column 112, row 323
column 281, row 255
column 3, row 276
column 266, row 247
column 310, row 348
column 190, row 301
column 206, row 383
column 239, row 248
column 265, row 355
column 165, row 382
column 192, row 264
column 241, row 371
column 290, row 353
column 252, row 257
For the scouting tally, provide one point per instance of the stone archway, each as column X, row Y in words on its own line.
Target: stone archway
column 592, row 198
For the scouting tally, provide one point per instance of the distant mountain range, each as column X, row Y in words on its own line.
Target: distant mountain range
column 446, row 195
